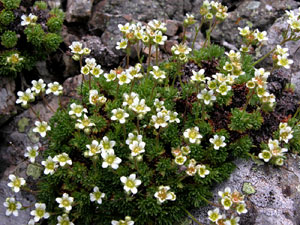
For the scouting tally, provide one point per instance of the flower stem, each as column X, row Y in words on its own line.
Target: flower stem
column 156, row 54
column 138, row 50
column 46, row 102
column 149, row 59
column 35, row 113
column 192, row 217
column 127, row 55
column 184, row 32
column 152, row 92
column 270, row 52
column 124, row 131
column 196, row 34
column 249, row 98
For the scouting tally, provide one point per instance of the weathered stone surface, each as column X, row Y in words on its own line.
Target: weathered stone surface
column 78, row 10
column 7, row 99
column 258, row 14
column 172, row 27
column 274, row 35
column 276, row 197
column 103, row 55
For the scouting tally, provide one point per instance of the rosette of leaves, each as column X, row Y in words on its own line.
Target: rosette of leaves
column 32, row 42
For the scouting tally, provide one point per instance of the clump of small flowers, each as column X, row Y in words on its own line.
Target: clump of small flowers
column 232, row 203
column 135, row 141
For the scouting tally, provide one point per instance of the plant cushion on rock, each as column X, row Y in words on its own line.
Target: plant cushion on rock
column 147, row 143
column 37, row 37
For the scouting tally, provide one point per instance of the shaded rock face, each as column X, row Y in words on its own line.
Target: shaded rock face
column 7, row 99
column 78, row 10
column 277, row 192
column 259, row 14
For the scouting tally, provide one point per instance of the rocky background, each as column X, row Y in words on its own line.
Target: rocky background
column 273, row 194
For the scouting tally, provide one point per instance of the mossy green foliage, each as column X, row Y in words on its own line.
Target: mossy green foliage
column 11, row 4
column 6, row 17
column 242, row 120
column 9, row 39
column 41, row 5
column 157, row 166
column 36, row 40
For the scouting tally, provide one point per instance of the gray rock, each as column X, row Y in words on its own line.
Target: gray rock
column 172, row 27
column 258, row 14
column 78, row 10
column 276, row 197
column 7, row 99
column 103, row 55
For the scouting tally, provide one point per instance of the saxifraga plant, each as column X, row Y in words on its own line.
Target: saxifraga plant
column 42, row 35
column 146, row 144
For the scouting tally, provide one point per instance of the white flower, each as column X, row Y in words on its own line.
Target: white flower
column 84, row 123
column 135, row 71
column 65, row 202
column 85, row 70
column 130, row 183
column 232, row 221
column 286, row 134
column 133, row 137
column 137, row 148
column 260, row 36
column 76, row 47
column 244, row 31
column 38, row 86
column 95, row 98
column 12, row 206
column 140, row 107
column 294, row 23
column 97, row 195
column 14, row 58
column 129, row 98
column 77, row 110
column 265, row 155
column 173, row 117
column 111, row 76
column 226, row 202
column 120, row 115
column 127, row 221
column 206, row 96
column 62, row 159
column 96, row 71
column 223, row 89
column 124, row 28
column 198, row 76
column 227, row 192
column 32, row 153
column 50, row 165
column 122, row 44
column 228, row 66
column 241, row 208
column 94, row 148
column 25, row 20
column 284, row 61
column 39, row 212
column 41, row 128
column 163, row 194
column 281, row 51
column 106, row 144
column 25, row 97
column 64, row 220
column 159, row 38
column 158, row 73
column 110, row 159
column 124, row 78
column 191, row 170
column 160, row 120
column 202, row 171
column 218, row 141
column 54, row 88
column 181, row 49
column 214, row 215
column 90, row 62
column 180, row 160
column 193, row 135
